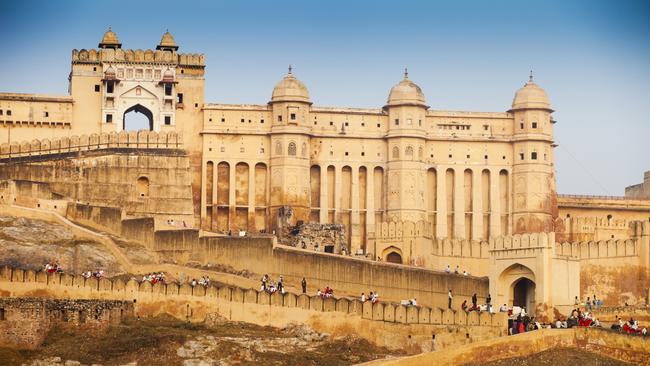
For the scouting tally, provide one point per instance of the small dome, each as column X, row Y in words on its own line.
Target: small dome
column 406, row 92
column 167, row 42
column 109, row 40
column 531, row 96
column 290, row 89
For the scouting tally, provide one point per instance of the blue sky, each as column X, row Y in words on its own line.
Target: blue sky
column 592, row 57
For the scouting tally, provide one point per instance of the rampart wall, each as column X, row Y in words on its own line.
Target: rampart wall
column 25, row 322
column 235, row 303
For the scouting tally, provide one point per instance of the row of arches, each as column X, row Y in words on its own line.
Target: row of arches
column 241, row 186
column 408, row 152
column 474, row 198
column 292, row 149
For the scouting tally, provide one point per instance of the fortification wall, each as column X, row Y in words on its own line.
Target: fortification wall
column 137, row 56
column 635, row 350
column 24, row 322
column 152, row 182
column 385, row 323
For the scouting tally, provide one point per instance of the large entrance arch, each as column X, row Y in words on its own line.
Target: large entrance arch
column 523, row 294
column 516, row 287
column 139, row 118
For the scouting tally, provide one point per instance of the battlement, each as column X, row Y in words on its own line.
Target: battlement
column 93, row 56
column 523, row 241
column 67, row 285
column 599, row 249
column 129, row 140
column 402, row 229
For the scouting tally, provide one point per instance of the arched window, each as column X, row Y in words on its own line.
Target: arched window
column 142, row 187
column 278, row 148
column 409, row 152
column 292, row 148
column 395, row 152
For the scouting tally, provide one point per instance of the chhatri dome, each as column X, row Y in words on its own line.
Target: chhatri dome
column 531, row 96
column 167, row 42
column 406, row 92
column 109, row 40
column 290, row 89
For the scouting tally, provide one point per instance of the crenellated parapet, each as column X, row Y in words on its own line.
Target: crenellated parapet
column 142, row 139
column 93, row 56
column 601, row 249
column 397, row 230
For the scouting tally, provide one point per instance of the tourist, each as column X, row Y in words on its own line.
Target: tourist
column 280, row 285
column 588, row 304
column 488, row 301
column 303, row 283
column 450, row 297
column 414, row 302
column 576, row 302
column 456, row 271
column 433, row 342
column 363, row 297
column 193, row 283
column 465, row 273
column 503, row 308
column 448, row 269
column 464, row 306
column 474, row 302
column 371, row 296
column 375, row 298
column 265, row 279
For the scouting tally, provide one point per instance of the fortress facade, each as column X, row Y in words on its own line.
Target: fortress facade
column 408, row 183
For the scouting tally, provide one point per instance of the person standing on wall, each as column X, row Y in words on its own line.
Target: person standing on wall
column 304, row 285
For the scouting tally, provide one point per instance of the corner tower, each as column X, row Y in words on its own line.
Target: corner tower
column 406, row 109
column 289, row 105
column 533, row 178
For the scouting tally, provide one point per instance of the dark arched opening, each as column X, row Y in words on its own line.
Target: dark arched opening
column 137, row 118
column 524, row 294
column 394, row 257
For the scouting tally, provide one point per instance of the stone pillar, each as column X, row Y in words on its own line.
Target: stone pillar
column 495, row 210
column 205, row 221
column 251, row 197
column 338, row 170
column 370, row 206
column 441, row 200
column 232, row 213
column 354, row 214
column 323, row 195
column 477, row 206
column 459, row 204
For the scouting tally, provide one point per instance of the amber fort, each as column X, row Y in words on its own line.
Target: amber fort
column 378, row 198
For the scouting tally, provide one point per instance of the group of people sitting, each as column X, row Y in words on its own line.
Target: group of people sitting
column 95, row 274
column 456, row 271
column 410, row 302
column 203, row 281
column 269, row 286
column 373, row 297
column 154, row 278
column 630, row 327
column 326, row 293
column 53, row 267
column 476, row 307
column 523, row 323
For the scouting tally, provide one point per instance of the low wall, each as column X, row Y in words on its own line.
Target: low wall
column 348, row 275
column 607, row 343
column 384, row 323
column 24, row 322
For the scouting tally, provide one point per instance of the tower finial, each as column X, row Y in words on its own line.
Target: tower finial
column 530, row 78
column 109, row 28
column 406, row 73
column 290, row 69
